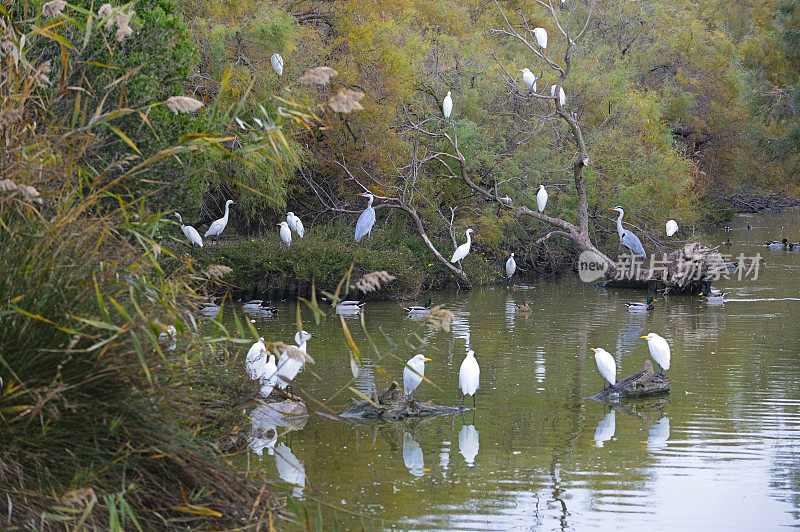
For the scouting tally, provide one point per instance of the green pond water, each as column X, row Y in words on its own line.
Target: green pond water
column 721, row 451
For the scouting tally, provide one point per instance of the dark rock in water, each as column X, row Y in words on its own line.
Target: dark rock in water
column 393, row 404
column 641, row 384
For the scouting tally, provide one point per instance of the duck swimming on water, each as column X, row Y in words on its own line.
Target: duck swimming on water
column 634, row 305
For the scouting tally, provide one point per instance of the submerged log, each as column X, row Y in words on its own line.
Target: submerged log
column 682, row 271
column 394, row 404
column 643, row 383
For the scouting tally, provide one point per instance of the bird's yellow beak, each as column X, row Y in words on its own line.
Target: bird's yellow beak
column 593, row 348
column 427, row 359
column 645, row 337
column 611, row 208
column 655, row 300
column 277, row 224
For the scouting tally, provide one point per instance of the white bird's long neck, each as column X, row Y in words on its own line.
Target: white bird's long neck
column 371, row 199
column 178, row 216
column 302, row 346
column 227, row 206
column 469, row 239
column 620, row 230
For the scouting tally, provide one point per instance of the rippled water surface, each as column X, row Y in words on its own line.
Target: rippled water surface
column 721, row 451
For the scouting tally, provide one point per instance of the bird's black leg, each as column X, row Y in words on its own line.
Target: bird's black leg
column 474, row 404
column 462, row 400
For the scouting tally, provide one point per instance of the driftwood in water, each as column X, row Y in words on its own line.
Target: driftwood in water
column 394, row 404
column 683, row 271
column 641, row 384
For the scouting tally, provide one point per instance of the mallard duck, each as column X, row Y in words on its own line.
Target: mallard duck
column 794, row 246
column 526, row 307
column 348, row 307
column 713, row 297
column 638, row 305
column 778, row 245
column 420, row 310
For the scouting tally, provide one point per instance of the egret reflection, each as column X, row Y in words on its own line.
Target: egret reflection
column 468, row 443
column 412, row 456
column 290, row 469
column 605, row 429
column 658, row 434
column 262, row 437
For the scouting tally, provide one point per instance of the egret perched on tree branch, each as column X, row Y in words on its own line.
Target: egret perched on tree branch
column 413, row 372
column 541, row 37
column 605, row 365
column 286, row 233
column 541, row 198
column 295, row 224
column 629, row 240
column 463, row 249
column 529, row 78
column 218, row 226
column 447, row 105
column 367, row 218
column 469, row 376
column 659, row 350
column 561, row 96
column 511, row 266
column 672, row 227
column 191, row 233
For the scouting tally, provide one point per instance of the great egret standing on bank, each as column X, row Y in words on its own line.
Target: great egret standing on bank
column 447, row 105
column 529, row 78
column 629, row 240
column 605, row 365
column 191, row 233
column 295, row 224
column 541, row 198
column 659, row 350
column 672, row 227
column 277, row 63
column 286, row 234
column 463, row 249
column 367, row 218
column 562, row 97
column 541, row 37
column 412, row 374
column 469, row 377
column 511, row 266
column 218, row 226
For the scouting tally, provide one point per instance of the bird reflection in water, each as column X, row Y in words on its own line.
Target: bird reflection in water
column 658, row 434
column 468, row 443
column 412, row 456
column 290, row 469
column 605, row 429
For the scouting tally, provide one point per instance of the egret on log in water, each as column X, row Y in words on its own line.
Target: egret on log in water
column 562, row 97
column 541, row 198
column 295, row 224
column 672, row 227
column 286, row 234
column 469, row 377
column 261, row 365
column 529, row 78
column 291, row 361
column 659, row 350
column 413, row 372
column 218, row 226
column 541, row 37
column 463, row 249
column 605, row 365
column 447, row 105
column 629, row 240
column 191, row 233
column 367, row 218
column 511, row 266
column 277, row 63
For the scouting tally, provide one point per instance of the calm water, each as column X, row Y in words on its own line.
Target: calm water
column 721, row 451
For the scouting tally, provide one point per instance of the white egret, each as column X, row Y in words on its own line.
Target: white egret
column 541, row 198
column 606, row 365
column 277, row 63
column 529, row 78
column 367, row 218
column 562, row 97
column 447, row 105
column 511, row 266
column 292, row 361
column 290, row 469
column 191, row 233
column 541, row 36
column 295, row 224
column 462, row 250
column 469, row 377
column 412, row 456
column 218, row 226
column 286, row 233
column 260, row 365
column 412, row 374
column 605, row 429
column 629, row 240
column 672, row 227
column 469, row 443
column 659, row 350
column 638, row 305
column 420, row 309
